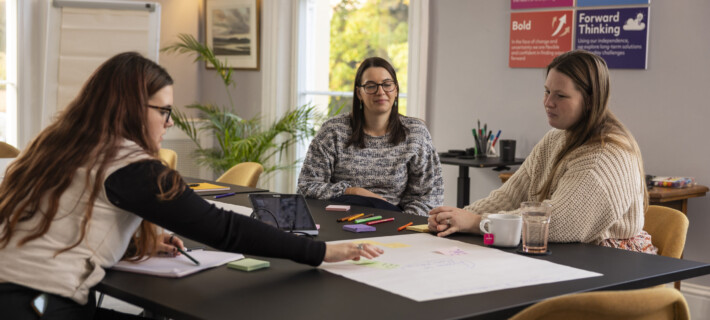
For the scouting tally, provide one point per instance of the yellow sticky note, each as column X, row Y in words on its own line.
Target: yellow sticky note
column 419, row 228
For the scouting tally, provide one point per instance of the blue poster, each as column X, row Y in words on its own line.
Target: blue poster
column 599, row 3
column 620, row 36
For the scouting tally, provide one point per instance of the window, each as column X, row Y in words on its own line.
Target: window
column 8, row 72
column 336, row 35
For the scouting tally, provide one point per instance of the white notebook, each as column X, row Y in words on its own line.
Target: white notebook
column 179, row 266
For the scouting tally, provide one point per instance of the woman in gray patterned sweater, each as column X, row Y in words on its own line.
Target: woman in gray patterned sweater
column 374, row 152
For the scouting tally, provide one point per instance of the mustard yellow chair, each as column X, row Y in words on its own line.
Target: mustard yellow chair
column 668, row 228
column 243, row 174
column 169, row 157
column 8, row 151
column 642, row 304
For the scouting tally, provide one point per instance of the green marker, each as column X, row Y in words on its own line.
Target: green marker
column 368, row 219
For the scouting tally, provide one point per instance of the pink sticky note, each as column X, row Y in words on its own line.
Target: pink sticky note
column 488, row 239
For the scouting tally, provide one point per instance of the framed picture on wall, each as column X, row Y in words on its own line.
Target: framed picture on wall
column 232, row 31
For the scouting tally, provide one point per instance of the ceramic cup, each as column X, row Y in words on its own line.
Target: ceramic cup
column 505, row 229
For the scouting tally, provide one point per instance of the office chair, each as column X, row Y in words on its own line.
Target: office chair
column 668, row 228
column 169, row 157
column 243, row 174
column 641, row 304
column 8, row 151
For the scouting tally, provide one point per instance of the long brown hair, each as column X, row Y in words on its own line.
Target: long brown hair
column 111, row 107
column 397, row 130
column 597, row 124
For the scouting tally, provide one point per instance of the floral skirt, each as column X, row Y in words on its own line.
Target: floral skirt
column 639, row 243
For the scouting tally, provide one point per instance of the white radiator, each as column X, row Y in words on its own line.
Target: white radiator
column 178, row 141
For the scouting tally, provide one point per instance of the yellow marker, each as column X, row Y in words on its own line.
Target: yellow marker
column 356, row 216
column 419, row 228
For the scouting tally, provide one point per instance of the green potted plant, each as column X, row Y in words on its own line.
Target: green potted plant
column 238, row 139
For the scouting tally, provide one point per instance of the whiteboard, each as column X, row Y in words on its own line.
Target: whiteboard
column 82, row 34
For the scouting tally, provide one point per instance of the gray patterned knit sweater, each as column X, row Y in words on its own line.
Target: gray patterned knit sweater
column 408, row 174
column 597, row 192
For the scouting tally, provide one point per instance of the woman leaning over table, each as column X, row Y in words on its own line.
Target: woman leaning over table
column 72, row 201
column 588, row 167
column 374, row 152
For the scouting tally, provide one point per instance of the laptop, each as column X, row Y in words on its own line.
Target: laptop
column 288, row 212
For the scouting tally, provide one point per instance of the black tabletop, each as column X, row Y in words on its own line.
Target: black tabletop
column 294, row 291
column 479, row 162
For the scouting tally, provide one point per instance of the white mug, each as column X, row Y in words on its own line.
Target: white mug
column 504, row 227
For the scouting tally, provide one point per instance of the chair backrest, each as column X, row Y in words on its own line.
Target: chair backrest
column 169, row 157
column 642, row 304
column 8, row 151
column 243, row 174
column 668, row 228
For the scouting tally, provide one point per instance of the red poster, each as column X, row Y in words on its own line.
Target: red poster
column 537, row 37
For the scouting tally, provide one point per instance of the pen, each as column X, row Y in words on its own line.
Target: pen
column 405, row 226
column 380, row 221
column 188, row 256
column 224, row 195
column 496, row 139
column 355, row 216
column 367, row 219
column 183, row 251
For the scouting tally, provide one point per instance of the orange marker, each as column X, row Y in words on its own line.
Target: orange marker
column 404, row 226
column 356, row 216
column 346, row 218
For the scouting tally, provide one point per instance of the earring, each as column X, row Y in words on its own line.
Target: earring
column 395, row 103
column 360, row 104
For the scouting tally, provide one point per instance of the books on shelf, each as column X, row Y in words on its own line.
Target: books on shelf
column 207, row 187
column 673, row 182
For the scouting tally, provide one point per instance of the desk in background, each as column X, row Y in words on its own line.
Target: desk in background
column 676, row 198
column 463, row 190
column 288, row 290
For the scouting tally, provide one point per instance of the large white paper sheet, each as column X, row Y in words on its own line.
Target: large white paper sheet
column 413, row 266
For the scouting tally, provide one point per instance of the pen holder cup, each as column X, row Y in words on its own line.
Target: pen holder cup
column 507, row 150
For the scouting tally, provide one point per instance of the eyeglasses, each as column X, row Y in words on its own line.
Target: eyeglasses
column 164, row 111
column 371, row 87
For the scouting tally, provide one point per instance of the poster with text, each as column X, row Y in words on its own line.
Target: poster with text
column 537, row 37
column 620, row 36
column 599, row 3
column 529, row 4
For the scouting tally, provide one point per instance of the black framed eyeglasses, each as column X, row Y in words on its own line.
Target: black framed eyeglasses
column 371, row 87
column 164, row 111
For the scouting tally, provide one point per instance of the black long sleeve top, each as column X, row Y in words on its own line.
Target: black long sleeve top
column 134, row 188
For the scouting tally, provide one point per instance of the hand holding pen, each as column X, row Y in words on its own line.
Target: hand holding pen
column 178, row 246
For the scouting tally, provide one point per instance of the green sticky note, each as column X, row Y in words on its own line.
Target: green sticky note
column 248, row 264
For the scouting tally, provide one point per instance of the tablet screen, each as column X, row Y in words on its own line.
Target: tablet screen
column 288, row 212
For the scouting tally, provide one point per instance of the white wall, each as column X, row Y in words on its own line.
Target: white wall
column 665, row 107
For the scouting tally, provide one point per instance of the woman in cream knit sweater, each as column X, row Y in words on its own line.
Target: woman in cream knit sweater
column 589, row 167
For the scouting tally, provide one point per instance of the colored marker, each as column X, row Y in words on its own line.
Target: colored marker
column 355, row 216
column 224, row 195
column 405, row 226
column 346, row 218
column 367, row 219
column 496, row 139
column 380, row 221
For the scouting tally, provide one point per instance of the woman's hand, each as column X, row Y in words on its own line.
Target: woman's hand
column 447, row 220
column 168, row 244
column 350, row 251
column 362, row 192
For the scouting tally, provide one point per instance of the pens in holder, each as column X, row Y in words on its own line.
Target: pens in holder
column 224, row 195
column 496, row 139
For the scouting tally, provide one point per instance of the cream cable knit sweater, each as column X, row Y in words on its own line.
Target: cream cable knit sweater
column 596, row 194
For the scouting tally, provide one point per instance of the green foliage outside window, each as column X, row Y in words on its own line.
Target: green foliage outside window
column 367, row 28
